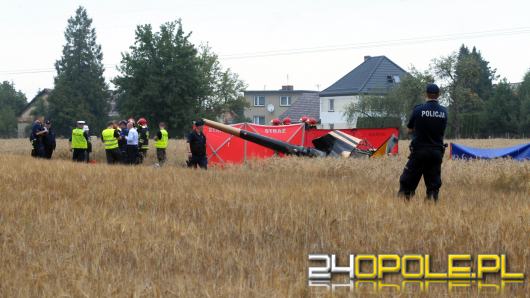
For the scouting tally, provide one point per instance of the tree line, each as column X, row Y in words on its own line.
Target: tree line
column 478, row 108
column 165, row 77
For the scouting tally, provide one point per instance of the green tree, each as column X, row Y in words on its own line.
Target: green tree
column 523, row 92
column 502, row 111
column 393, row 108
column 467, row 81
column 11, row 104
column 80, row 91
column 166, row 78
column 224, row 89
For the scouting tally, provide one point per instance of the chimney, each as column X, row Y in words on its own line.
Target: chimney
column 287, row 88
column 367, row 57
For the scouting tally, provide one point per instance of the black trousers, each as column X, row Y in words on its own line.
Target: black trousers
column 132, row 154
column 200, row 161
column 113, row 156
column 426, row 162
column 38, row 152
column 48, row 152
column 142, row 155
column 79, row 155
column 161, row 155
column 123, row 153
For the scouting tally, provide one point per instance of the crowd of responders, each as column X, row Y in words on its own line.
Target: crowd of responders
column 125, row 141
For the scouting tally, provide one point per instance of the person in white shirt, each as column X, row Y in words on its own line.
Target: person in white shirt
column 132, row 144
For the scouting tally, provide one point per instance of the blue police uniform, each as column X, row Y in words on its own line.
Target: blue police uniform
column 37, row 141
column 198, row 150
column 428, row 122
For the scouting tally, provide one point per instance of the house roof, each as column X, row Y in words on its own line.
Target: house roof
column 375, row 75
column 307, row 105
column 41, row 93
column 269, row 92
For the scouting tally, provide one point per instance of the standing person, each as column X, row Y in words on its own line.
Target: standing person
column 197, row 146
column 122, row 141
column 162, row 139
column 36, row 137
column 143, row 138
column 79, row 142
column 49, row 140
column 109, row 137
column 427, row 125
column 132, row 144
column 86, row 129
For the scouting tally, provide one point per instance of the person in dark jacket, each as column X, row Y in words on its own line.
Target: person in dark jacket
column 122, row 141
column 86, row 129
column 49, row 140
column 427, row 125
column 197, row 147
column 36, row 138
column 143, row 138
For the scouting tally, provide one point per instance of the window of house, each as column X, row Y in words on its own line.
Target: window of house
column 389, row 79
column 397, row 79
column 285, row 101
column 259, row 120
column 259, row 101
column 331, row 107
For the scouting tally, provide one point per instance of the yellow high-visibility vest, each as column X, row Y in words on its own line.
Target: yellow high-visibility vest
column 162, row 143
column 108, row 138
column 78, row 139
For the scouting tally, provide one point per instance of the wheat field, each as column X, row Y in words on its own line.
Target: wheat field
column 92, row 230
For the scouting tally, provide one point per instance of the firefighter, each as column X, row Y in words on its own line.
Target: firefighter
column 276, row 122
column 427, row 125
column 143, row 138
column 110, row 137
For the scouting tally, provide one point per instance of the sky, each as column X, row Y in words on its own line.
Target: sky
column 308, row 44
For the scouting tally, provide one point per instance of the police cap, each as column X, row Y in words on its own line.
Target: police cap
column 433, row 89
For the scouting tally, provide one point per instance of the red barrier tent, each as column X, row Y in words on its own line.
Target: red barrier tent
column 225, row 148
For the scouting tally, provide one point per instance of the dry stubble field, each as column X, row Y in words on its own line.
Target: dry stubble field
column 76, row 230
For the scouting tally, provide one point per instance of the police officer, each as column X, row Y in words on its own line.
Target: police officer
column 110, row 137
column 49, row 140
column 161, row 142
column 79, row 142
column 197, row 147
column 122, row 141
column 36, row 137
column 427, row 125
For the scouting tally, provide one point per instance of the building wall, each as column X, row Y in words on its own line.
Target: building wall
column 25, row 118
column 270, row 98
column 336, row 118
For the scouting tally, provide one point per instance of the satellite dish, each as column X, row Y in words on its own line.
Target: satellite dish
column 270, row 108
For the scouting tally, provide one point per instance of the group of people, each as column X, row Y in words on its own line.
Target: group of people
column 126, row 142
column 42, row 139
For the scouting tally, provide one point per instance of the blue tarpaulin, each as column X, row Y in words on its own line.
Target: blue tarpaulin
column 519, row 152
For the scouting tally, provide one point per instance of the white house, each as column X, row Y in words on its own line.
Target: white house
column 375, row 76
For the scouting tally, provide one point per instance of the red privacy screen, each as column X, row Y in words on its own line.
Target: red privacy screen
column 225, row 148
